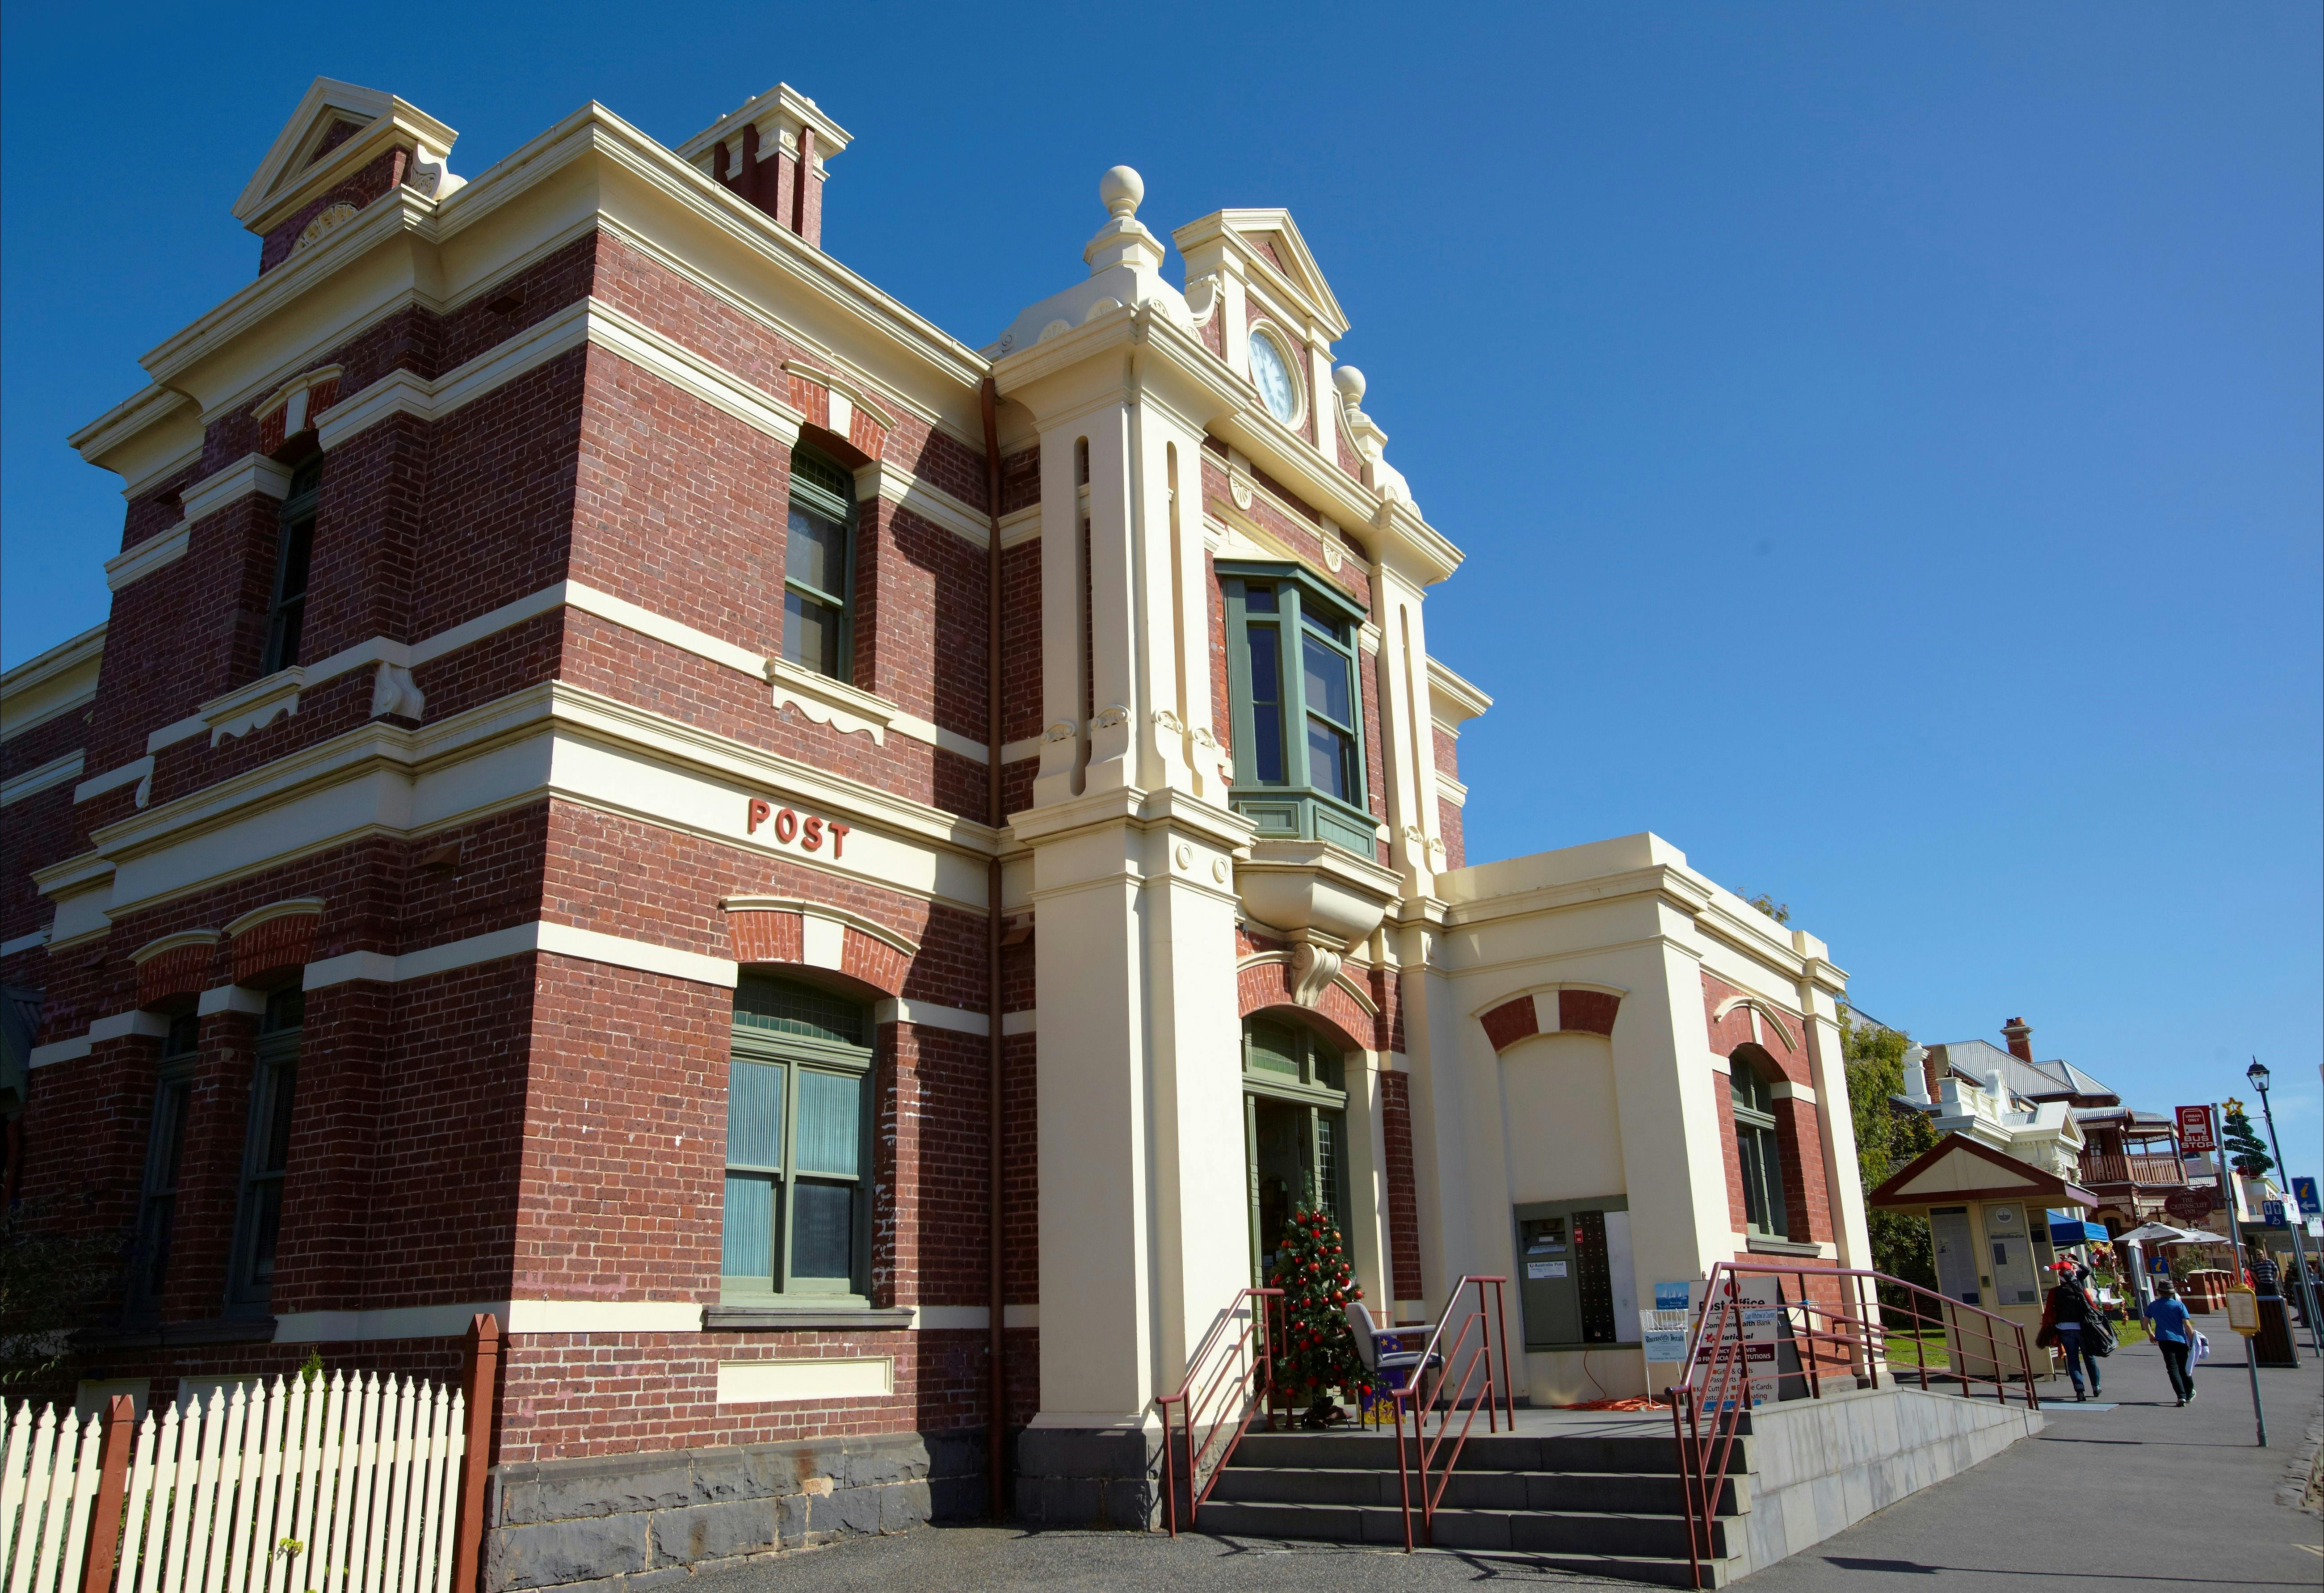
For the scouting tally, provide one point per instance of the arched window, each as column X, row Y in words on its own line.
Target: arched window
column 1295, row 1128
column 818, row 567
column 798, row 1218
column 1757, row 1150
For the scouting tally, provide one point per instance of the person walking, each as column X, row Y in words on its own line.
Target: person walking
column 2073, row 1315
column 2175, row 1336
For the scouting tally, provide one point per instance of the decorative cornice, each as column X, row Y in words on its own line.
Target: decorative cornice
column 151, row 554
column 55, row 772
column 290, row 908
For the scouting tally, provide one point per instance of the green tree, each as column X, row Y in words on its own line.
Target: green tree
column 47, row 1277
column 1317, row 1352
column 1781, row 912
column 2246, row 1148
column 1888, row 1137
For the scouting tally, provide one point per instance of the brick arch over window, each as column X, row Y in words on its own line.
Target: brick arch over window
column 272, row 942
column 811, row 935
column 1265, row 980
column 176, row 968
column 1551, row 1009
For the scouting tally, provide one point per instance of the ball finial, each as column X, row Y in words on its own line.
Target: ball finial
column 1119, row 191
column 1351, row 384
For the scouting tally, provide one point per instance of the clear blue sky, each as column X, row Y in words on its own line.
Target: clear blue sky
column 1885, row 438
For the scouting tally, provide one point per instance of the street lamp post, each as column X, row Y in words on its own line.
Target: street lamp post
column 2257, row 1074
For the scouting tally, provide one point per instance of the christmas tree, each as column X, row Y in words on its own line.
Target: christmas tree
column 1316, row 1352
column 2246, row 1149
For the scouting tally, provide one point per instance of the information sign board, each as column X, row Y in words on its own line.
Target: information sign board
column 2305, row 1188
column 2195, row 1129
column 2243, row 1312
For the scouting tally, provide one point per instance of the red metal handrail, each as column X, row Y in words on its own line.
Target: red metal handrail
column 1233, row 1366
column 1460, row 1365
column 1849, row 1334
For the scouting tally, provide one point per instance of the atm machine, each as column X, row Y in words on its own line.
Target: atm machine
column 1574, row 1272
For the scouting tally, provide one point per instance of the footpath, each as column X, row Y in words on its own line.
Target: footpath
column 2141, row 1495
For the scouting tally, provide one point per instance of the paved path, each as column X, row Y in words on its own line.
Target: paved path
column 2145, row 1495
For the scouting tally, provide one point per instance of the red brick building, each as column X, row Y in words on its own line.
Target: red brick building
column 840, row 882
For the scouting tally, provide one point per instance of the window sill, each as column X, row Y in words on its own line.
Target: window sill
column 792, row 1318
column 1759, row 1246
column 846, row 709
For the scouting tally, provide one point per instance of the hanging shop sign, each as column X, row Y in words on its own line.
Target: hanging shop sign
column 2188, row 1205
column 2195, row 1129
column 809, row 831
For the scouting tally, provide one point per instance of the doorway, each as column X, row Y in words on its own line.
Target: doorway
column 1294, row 1131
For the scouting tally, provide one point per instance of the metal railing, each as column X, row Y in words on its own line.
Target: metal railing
column 1230, row 1378
column 1846, row 1332
column 1465, row 1379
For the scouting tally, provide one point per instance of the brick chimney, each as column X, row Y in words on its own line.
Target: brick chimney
column 2020, row 1035
column 772, row 151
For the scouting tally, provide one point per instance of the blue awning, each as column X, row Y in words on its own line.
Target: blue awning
column 2064, row 1233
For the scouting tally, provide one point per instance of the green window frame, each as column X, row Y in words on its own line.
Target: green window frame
column 1295, row 1085
column 165, row 1149
column 266, row 1152
column 1296, row 697
column 294, row 551
column 1758, row 1150
column 819, row 567
column 796, row 1219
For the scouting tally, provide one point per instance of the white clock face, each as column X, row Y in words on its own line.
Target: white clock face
column 1271, row 373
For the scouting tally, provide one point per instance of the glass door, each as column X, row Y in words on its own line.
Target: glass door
column 1294, row 1128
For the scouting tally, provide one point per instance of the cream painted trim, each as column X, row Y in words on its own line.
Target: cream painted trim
column 138, row 771
column 231, row 997
column 152, row 554
column 1020, row 527
column 291, row 907
column 1452, row 790
column 1763, row 1012
column 55, row 772
column 170, row 735
column 516, row 1316
column 906, row 491
column 776, row 1382
column 1026, row 1022
column 151, row 1025
column 1785, row 1090
column 252, row 473
column 562, row 940
column 785, row 903
column 1018, row 752
column 928, row 1015
column 172, row 943
column 23, row 943
column 676, row 634
column 549, row 740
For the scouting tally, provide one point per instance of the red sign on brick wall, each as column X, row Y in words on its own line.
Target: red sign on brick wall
column 810, row 831
column 2195, row 1129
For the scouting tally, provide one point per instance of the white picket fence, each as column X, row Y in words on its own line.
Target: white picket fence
column 349, row 1485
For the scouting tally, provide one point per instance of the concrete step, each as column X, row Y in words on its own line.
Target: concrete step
column 1561, row 1532
column 1650, row 1493
column 1634, row 1454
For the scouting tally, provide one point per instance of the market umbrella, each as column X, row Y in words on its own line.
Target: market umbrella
column 2162, row 1233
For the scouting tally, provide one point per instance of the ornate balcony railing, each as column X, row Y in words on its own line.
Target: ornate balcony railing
column 2148, row 1170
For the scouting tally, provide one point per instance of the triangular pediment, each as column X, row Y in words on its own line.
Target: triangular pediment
column 1958, row 1167
column 336, row 128
column 1272, row 251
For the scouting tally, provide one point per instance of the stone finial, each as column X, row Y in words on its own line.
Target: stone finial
column 1122, row 190
column 1351, row 384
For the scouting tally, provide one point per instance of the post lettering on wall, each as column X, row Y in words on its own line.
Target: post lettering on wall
column 808, row 831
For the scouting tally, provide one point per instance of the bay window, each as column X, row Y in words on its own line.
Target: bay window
column 1299, row 710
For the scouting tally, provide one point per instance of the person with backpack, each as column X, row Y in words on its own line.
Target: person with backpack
column 2166, row 1314
column 2072, row 1318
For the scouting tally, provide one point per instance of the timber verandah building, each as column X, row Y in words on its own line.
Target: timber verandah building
column 527, row 839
